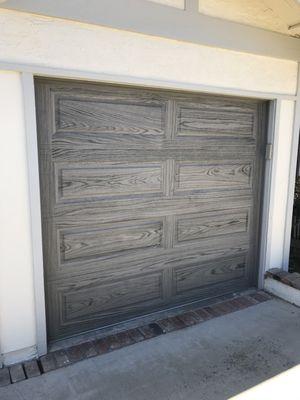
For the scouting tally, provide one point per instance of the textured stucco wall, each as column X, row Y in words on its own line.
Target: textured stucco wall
column 48, row 42
column 274, row 15
column 17, row 319
column 52, row 42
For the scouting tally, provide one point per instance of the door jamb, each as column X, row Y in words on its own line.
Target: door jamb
column 267, row 193
column 292, row 178
column 35, row 211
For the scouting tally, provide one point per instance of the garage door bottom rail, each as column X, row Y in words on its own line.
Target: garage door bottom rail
column 68, row 356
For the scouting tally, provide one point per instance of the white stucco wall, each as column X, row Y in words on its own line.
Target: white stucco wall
column 53, row 42
column 34, row 41
column 17, row 320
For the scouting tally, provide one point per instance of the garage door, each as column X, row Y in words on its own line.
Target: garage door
column 150, row 199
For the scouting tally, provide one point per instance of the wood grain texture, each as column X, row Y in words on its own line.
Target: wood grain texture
column 149, row 199
column 197, row 226
column 213, row 176
column 106, row 239
column 112, row 115
column 192, row 277
column 193, row 120
column 92, row 180
column 96, row 299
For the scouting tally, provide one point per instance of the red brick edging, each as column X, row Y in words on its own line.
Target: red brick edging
column 288, row 278
column 73, row 354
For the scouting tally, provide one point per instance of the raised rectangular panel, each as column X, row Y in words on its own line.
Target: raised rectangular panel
column 193, row 277
column 195, row 176
column 211, row 224
column 80, row 244
column 104, row 180
column 197, row 120
column 102, row 300
column 98, row 115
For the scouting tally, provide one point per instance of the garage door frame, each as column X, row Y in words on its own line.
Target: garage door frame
column 30, row 111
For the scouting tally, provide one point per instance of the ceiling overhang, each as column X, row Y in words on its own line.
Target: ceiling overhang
column 282, row 16
column 159, row 20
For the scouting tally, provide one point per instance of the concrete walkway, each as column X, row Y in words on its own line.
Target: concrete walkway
column 215, row 360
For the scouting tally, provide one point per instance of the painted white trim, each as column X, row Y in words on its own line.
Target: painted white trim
column 35, row 210
column 292, row 177
column 271, row 170
column 62, row 73
column 282, row 291
column 281, row 170
column 268, row 193
column 271, row 191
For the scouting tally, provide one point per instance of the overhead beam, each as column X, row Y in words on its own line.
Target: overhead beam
column 158, row 20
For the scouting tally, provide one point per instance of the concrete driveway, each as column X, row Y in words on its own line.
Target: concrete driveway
column 233, row 355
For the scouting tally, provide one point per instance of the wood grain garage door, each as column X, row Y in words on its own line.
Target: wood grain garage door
column 149, row 199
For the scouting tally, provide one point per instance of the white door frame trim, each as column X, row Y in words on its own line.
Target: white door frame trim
column 28, row 72
column 35, row 211
column 292, row 177
column 61, row 73
column 268, row 194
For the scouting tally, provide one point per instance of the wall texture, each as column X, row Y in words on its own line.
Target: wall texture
column 53, row 43
column 17, row 320
column 65, row 44
column 267, row 14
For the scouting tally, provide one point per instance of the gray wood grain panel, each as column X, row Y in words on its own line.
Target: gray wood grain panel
column 193, row 120
column 199, row 226
column 194, row 151
column 82, row 181
column 137, row 260
column 124, row 117
column 109, row 238
column 96, row 298
column 73, row 214
column 213, row 176
column 192, row 277
column 149, row 199
column 143, row 309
